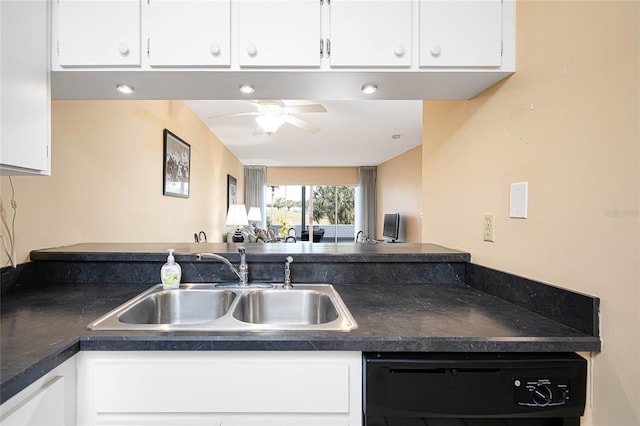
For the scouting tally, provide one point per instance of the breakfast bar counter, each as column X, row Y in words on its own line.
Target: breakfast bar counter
column 44, row 320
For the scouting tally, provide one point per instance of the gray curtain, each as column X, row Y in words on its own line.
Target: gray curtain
column 254, row 182
column 367, row 195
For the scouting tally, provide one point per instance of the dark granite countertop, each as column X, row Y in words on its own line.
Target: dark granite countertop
column 305, row 252
column 404, row 297
column 44, row 325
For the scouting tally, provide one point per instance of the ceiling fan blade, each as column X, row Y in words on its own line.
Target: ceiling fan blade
column 211, row 117
column 305, row 108
column 295, row 121
column 265, row 103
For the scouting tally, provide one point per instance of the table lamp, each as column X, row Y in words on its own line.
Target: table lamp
column 254, row 215
column 237, row 216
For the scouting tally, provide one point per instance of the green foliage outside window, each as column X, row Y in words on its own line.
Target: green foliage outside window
column 324, row 204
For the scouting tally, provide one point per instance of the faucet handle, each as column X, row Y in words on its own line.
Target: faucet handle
column 287, row 273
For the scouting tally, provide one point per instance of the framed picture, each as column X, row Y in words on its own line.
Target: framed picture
column 177, row 166
column 232, row 191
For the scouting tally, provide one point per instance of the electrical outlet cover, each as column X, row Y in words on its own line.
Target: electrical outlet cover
column 518, row 200
column 489, row 227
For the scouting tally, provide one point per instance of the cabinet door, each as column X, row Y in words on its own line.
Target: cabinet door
column 229, row 388
column 99, row 33
column 370, row 33
column 49, row 401
column 460, row 33
column 25, row 102
column 45, row 407
column 282, row 33
column 189, row 33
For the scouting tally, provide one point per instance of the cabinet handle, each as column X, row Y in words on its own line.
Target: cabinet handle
column 215, row 49
column 252, row 50
column 123, row 48
column 321, row 48
column 399, row 50
column 436, row 50
column 328, row 48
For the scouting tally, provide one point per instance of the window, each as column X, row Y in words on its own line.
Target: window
column 330, row 211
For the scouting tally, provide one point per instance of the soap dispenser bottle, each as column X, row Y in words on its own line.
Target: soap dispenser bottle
column 170, row 273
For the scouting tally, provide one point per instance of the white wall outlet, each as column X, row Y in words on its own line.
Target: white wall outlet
column 489, row 227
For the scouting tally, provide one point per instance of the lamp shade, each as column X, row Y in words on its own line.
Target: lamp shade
column 254, row 214
column 237, row 215
column 270, row 122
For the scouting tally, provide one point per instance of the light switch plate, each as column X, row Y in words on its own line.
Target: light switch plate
column 518, row 200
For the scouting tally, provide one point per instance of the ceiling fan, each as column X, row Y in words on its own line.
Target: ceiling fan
column 273, row 114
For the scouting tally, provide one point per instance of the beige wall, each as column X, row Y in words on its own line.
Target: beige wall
column 399, row 190
column 566, row 122
column 312, row 176
column 106, row 182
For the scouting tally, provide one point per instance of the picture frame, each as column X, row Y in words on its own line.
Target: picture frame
column 176, row 169
column 232, row 191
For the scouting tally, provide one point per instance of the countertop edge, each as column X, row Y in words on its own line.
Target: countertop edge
column 13, row 385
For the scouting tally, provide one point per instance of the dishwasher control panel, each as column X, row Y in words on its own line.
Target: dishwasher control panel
column 541, row 392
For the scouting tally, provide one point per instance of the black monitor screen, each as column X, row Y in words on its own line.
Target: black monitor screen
column 391, row 225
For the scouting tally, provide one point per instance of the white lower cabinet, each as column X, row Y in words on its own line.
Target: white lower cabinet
column 220, row 388
column 49, row 401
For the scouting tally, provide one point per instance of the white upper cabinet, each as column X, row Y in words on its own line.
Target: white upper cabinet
column 278, row 33
column 370, row 33
column 189, row 33
column 94, row 33
column 25, row 122
column 289, row 49
column 460, row 33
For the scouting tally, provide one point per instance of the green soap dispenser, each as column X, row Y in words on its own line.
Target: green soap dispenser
column 171, row 272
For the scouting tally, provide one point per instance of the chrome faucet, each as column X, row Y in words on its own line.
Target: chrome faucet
column 243, row 269
column 287, row 273
column 358, row 235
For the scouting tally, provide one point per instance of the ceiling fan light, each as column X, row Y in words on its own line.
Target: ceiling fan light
column 247, row 88
column 269, row 123
column 369, row 88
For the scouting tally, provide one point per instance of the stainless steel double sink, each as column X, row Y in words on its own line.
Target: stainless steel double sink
column 216, row 307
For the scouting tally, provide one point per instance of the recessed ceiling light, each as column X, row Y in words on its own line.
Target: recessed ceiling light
column 369, row 88
column 124, row 88
column 396, row 136
column 247, row 88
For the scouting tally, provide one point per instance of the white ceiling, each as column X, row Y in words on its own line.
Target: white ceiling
column 353, row 133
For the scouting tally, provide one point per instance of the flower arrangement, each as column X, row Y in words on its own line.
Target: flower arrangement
column 284, row 228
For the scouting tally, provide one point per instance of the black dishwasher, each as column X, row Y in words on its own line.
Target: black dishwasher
column 474, row 389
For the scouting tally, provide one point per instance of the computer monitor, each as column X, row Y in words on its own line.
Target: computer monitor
column 391, row 226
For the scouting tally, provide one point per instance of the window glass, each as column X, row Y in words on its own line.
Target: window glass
column 328, row 210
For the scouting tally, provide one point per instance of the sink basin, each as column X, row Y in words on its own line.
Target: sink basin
column 205, row 307
column 285, row 307
column 179, row 307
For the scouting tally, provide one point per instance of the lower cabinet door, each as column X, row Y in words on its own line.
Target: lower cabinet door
column 45, row 407
column 49, row 401
column 219, row 388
